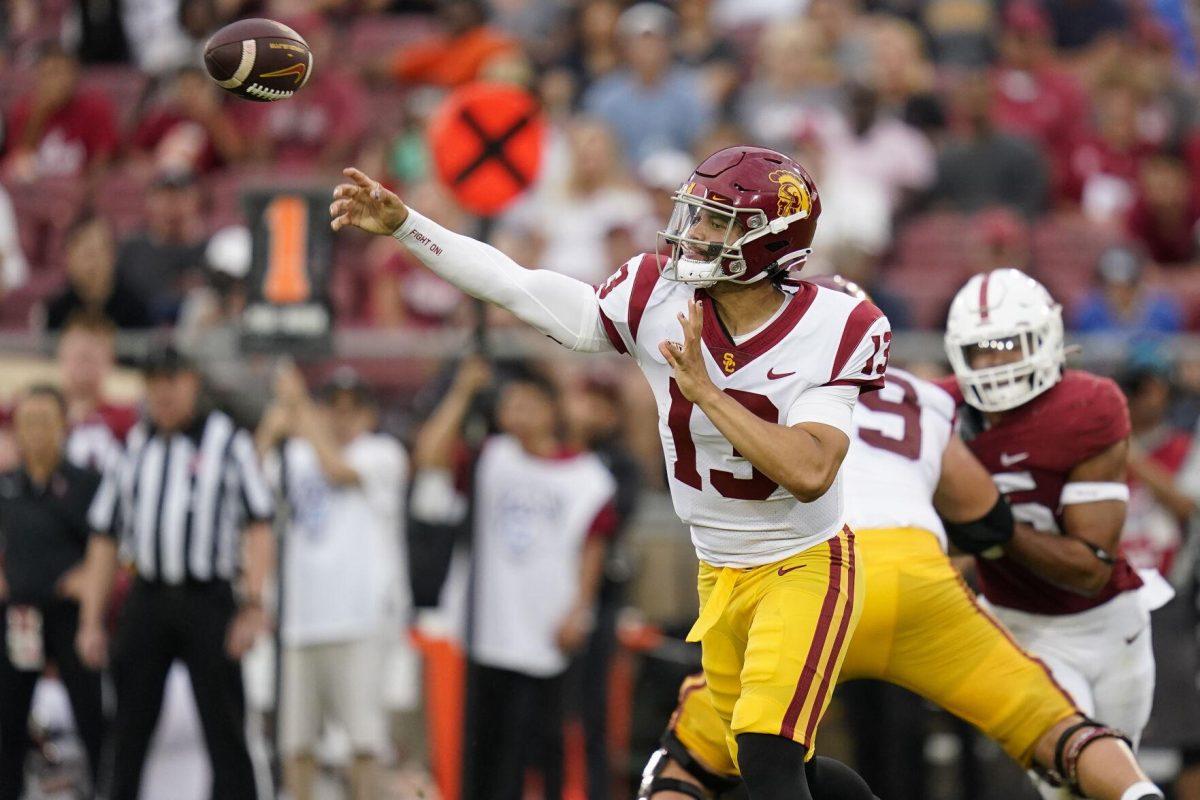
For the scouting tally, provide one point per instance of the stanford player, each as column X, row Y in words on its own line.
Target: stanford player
column 1056, row 442
column 755, row 412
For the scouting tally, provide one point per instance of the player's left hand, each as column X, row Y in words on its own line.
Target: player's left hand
column 248, row 623
column 687, row 360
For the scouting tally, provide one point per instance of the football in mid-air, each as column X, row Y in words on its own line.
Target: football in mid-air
column 258, row 59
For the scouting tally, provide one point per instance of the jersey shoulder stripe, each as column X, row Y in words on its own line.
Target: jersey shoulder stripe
column 864, row 315
column 648, row 274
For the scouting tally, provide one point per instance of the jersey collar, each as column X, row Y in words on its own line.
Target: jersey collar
column 731, row 357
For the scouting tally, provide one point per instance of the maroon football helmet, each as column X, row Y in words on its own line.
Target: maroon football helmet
column 746, row 213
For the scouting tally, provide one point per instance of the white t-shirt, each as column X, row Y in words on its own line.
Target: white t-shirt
column 532, row 517
column 895, row 459
column 342, row 562
column 821, row 338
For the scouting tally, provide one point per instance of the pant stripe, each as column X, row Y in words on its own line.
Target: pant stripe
column 1008, row 637
column 813, row 662
column 839, row 642
column 692, row 683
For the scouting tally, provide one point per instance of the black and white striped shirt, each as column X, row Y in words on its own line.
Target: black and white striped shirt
column 178, row 501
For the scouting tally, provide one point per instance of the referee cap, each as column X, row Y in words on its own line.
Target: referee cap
column 166, row 361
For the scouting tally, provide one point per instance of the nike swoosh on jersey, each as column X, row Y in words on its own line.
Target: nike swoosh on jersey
column 781, row 572
column 1007, row 461
column 772, row 375
column 1131, row 639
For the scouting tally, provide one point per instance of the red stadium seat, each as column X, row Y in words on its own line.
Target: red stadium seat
column 44, row 210
column 123, row 191
column 932, row 262
column 1064, row 251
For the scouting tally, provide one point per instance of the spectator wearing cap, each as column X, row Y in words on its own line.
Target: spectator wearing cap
column 189, row 129
column 43, row 537
column 540, row 516
column 93, row 284
column 166, row 256
column 343, row 484
column 1121, row 303
column 979, row 166
column 654, row 103
column 189, row 504
column 57, row 129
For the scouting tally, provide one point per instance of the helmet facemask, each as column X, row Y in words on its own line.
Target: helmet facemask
column 1006, row 386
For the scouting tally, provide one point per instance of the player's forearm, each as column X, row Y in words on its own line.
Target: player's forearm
column 794, row 457
column 1062, row 560
column 562, row 308
column 100, row 567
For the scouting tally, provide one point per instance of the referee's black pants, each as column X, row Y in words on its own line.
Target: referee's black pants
column 60, row 621
column 158, row 625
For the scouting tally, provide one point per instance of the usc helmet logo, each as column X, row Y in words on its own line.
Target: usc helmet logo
column 793, row 194
column 728, row 363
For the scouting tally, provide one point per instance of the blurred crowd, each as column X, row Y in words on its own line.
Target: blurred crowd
column 946, row 137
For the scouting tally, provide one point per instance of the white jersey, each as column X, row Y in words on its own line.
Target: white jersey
column 895, row 459
column 532, row 516
column 343, row 562
column 738, row 516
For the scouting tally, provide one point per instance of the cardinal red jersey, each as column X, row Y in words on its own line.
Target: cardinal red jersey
column 1030, row 453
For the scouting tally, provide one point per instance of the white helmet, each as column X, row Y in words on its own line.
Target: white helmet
column 1005, row 310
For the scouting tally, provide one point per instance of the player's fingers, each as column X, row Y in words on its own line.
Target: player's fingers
column 668, row 352
column 358, row 177
column 337, row 223
column 346, row 190
column 339, row 207
column 689, row 336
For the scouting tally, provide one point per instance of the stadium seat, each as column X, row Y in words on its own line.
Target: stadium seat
column 1064, row 251
column 370, row 38
column 124, row 192
column 932, row 262
column 44, row 210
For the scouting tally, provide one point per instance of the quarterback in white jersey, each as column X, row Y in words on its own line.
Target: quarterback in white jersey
column 909, row 480
column 755, row 409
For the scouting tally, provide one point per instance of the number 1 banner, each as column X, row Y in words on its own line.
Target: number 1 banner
column 288, row 308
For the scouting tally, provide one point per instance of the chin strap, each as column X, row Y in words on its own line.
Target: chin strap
column 1070, row 747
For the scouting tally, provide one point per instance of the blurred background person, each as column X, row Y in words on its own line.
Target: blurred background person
column 1164, row 480
column 1123, row 303
column 58, row 129
column 542, row 515
column 595, row 417
column 343, row 608
column 162, row 260
column 44, row 530
column 190, row 129
column 189, row 502
column 653, row 103
column 93, row 284
column 86, row 356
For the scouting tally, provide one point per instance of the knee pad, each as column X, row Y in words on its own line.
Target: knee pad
column 671, row 749
column 1071, row 744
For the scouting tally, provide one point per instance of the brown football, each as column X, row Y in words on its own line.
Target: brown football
column 258, row 59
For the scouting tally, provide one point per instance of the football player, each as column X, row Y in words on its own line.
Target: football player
column 1056, row 443
column 755, row 383
column 910, row 482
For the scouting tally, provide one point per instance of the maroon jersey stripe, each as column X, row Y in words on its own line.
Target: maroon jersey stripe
column 828, row 605
column 643, row 284
column 1008, row 638
column 858, row 323
column 839, row 641
column 610, row 330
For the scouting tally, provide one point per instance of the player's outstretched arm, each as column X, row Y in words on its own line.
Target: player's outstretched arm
column 563, row 308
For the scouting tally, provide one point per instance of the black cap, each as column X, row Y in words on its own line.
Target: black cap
column 166, row 361
column 347, row 379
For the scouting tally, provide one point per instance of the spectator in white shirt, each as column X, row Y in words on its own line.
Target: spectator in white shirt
column 341, row 614
column 541, row 518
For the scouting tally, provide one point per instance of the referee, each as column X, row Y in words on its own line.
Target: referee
column 189, row 504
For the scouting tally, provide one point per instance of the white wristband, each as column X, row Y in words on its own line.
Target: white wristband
column 1074, row 494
